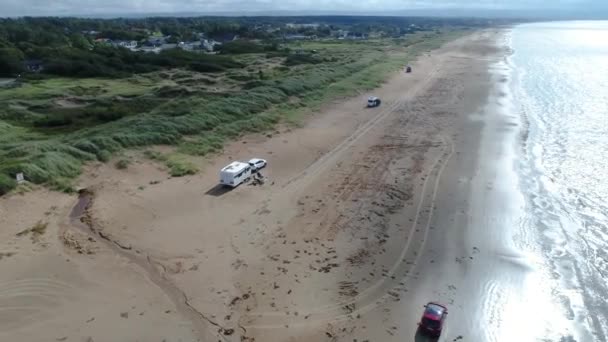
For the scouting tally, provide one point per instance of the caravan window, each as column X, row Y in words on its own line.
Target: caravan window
column 239, row 175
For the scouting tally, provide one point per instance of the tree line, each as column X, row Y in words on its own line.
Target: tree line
column 67, row 46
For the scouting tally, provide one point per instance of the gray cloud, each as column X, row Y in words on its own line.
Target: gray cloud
column 100, row 7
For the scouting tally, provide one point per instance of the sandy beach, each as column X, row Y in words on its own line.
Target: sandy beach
column 365, row 216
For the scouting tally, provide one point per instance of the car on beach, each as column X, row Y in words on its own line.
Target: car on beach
column 257, row 164
column 373, row 101
column 433, row 319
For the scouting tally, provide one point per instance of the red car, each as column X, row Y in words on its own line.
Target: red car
column 433, row 318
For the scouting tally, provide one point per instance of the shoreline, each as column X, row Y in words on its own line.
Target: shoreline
column 294, row 252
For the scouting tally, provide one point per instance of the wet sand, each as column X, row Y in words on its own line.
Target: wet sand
column 366, row 215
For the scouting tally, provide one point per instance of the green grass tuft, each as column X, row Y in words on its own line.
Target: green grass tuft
column 7, row 184
column 122, row 164
column 180, row 166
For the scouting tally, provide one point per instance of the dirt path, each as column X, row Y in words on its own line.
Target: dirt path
column 334, row 236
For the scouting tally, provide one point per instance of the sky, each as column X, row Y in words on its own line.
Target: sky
column 142, row 7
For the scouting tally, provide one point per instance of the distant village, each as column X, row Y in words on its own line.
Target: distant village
column 76, row 46
column 158, row 43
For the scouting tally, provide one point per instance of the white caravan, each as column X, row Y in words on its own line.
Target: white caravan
column 235, row 174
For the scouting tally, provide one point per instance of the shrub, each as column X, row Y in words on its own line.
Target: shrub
column 53, row 121
column 240, row 47
column 179, row 166
column 154, row 155
column 210, row 143
column 113, row 62
column 122, row 164
column 61, row 184
column 274, row 54
column 110, row 114
column 10, row 61
column 7, row 184
column 302, row 58
column 104, row 155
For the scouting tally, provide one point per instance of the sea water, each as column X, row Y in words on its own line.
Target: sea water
column 559, row 89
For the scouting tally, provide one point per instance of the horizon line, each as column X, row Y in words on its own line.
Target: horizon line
column 485, row 13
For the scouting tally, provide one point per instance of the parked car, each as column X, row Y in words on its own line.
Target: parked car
column 433, row 319
column 373, row 101
column 257, row 164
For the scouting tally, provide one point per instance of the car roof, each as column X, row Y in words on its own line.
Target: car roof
column 434, row 310
column 255, row 160
column 371, row 98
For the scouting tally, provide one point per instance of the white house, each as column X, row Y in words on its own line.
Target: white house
column 152, row 49
column 189, row 46
column 209, row 44
column 128, row 44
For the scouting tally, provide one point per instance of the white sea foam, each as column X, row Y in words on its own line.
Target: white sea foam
column 560, row 89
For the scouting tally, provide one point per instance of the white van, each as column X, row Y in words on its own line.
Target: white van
column 235, row 174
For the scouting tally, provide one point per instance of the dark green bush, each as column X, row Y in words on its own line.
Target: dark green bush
column 179, row 167
column 11, row 61
column 302, row 58
column 7, row 184
column 240, row 47
column 114, row 62
column 110, row 114
column 122, row 164
column 53, row 121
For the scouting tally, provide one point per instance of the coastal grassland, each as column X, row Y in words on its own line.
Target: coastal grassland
column 50, row 127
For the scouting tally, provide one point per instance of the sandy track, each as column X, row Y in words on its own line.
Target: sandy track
column 333, row 239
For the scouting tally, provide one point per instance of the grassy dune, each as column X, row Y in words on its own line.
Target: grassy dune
column 50, row 128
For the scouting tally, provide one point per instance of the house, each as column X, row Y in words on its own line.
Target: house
column 127, row 44
column 297, row 26
column 157, row 40
column 167, row 46
column 294, row 37
column 356, row 35
column 149, row 49
column 189, row 46
column 33, row 65
column 209, row 44
column 340, row 34
column 299, row 37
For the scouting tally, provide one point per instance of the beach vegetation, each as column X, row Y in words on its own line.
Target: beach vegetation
column 89, row 105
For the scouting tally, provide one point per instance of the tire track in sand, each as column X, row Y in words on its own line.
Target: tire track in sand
column 300, row 180
column 23, row 301
column 203, row 327
column 377, row 293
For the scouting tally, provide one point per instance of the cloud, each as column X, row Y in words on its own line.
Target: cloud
column 99, row 7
